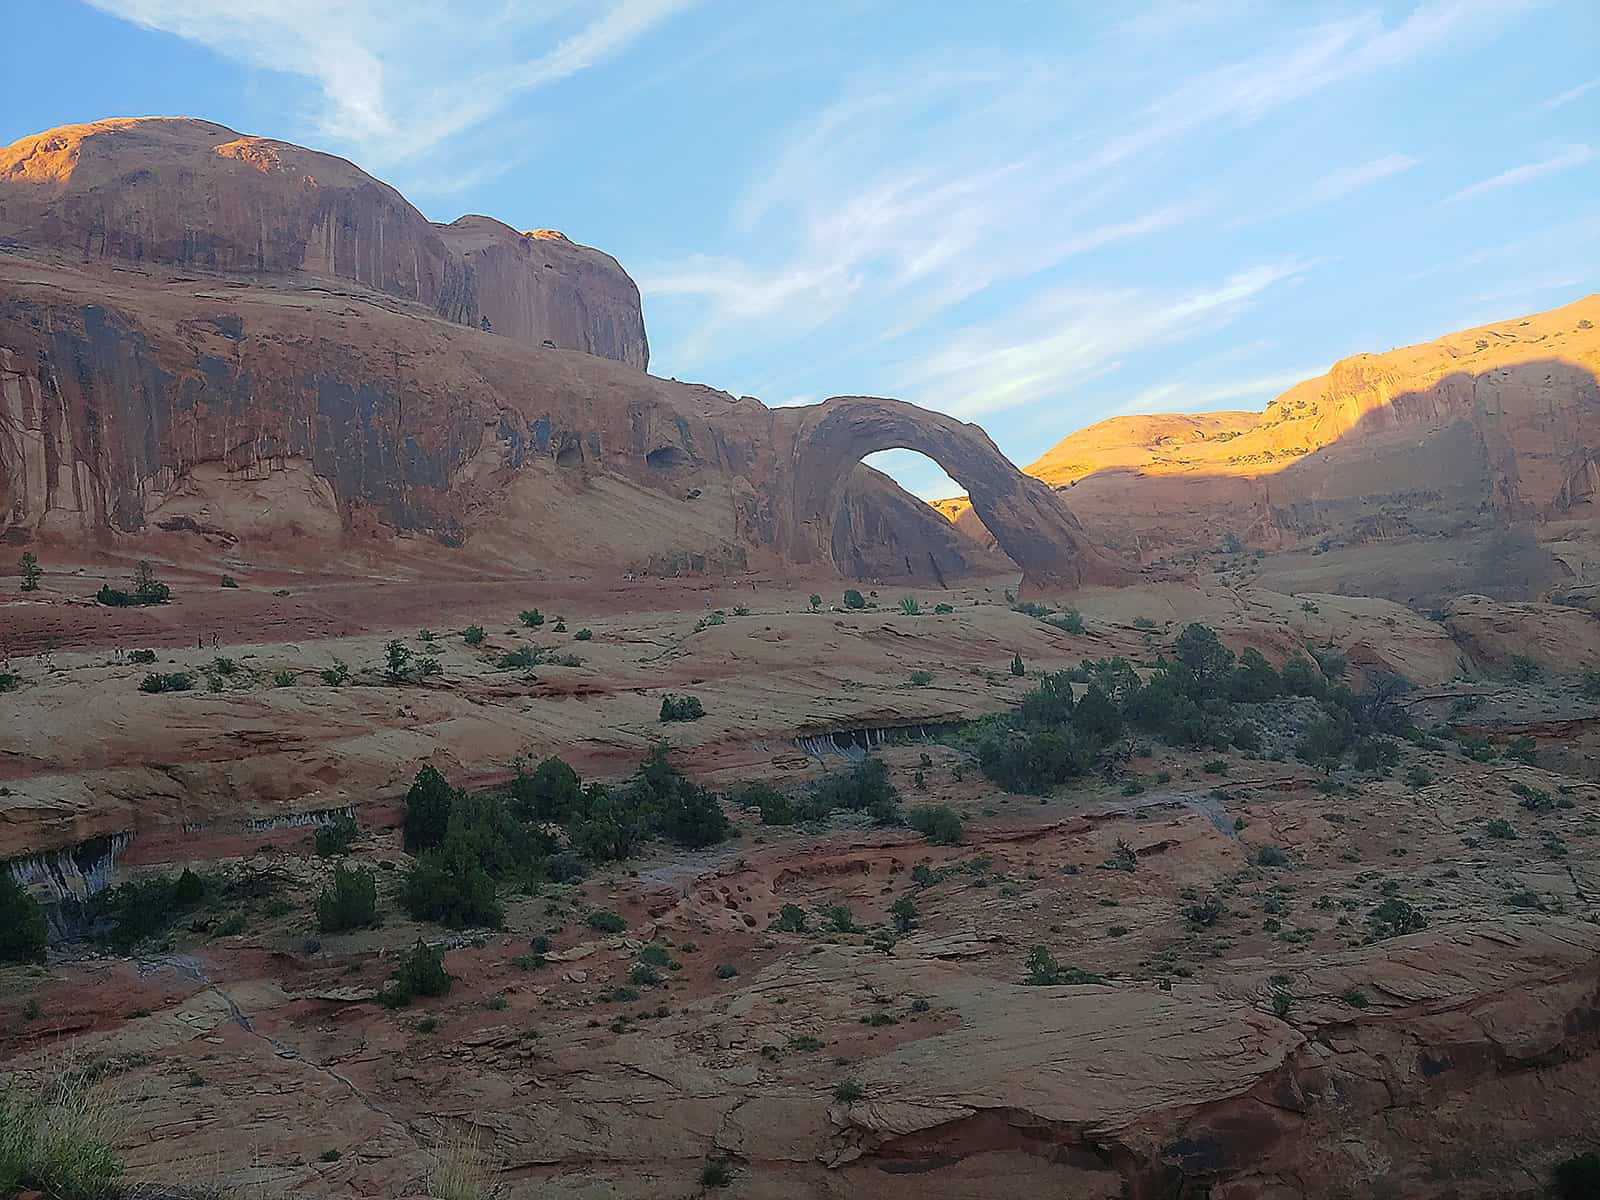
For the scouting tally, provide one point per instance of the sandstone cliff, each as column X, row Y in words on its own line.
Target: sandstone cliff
column 1437, row 445
column 215, row 344
column 195, row 194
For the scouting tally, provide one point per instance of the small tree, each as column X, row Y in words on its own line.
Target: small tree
column 427, row 810
column 904, row 913
column 398, row 661
column 815, row 602
column 30, row 571
column 147, row 587
column 1017, row 667
column 350, row 903
column 23, row 929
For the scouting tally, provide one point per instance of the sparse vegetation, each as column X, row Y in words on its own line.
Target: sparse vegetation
column 147, row 590
column 420, row 973
column 681, row 708
column 29, row 572
column 473, row 635
column 350, row 902
column 62, row 1142
column 23, row 928
column 175, row 681
column 939, row 823
column 531, row 617
column 336, row 837
column 228, row 581
column 910, row 607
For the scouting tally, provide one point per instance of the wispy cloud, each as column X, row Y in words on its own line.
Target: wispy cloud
column 1205, row 395
column 1335, row 186
column 1564, row 160
column 1072, row 334
column 1571, row 94
column 396, row 79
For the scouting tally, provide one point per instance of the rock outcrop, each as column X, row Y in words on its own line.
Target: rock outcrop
column 215, row 342
column 1490, row 433
column 195, row 194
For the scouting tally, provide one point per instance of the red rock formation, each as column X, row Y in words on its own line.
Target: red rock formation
column 196, row 194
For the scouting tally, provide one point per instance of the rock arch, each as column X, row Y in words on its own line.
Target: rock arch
column 1026, row 517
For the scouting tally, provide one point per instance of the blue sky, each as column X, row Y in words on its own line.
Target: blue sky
column 1028, row 214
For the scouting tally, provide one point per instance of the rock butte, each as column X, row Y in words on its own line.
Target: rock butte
column 246, row 361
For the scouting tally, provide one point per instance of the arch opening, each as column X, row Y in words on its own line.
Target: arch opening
column 1030, row 523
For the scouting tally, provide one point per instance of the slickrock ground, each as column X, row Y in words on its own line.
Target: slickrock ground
column 1275, row 1053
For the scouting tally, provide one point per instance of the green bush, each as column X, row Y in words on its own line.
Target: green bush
column 141, row 908
column 583, row 635
column 428, row 804
column 854, row 599
column 336, row 836
column 350, row 903
column 1394, row 917
column 228, row 581
column 604, row 920
column 1017, row 666
column 177, row 681
column 775, row 807
column 284, row 678
column 449, row 885
column 921, row 678
column 473, row 635
column 420, row 973
column 521, row 658
column 791, row 918
column 1034, row 762
column 23, row 928
column 29, row 571
column 903, row 912
column 1042, row 967
column 942, row 609
column 910, row 607
column 142, row 656
column 940, row 824
column 531, row 617
column 681, row 708
column 337, row 675
column 552, row 792
column 865, row 788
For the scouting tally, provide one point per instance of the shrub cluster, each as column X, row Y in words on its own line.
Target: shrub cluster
column 468, row 845
column 141, row 908
column 147, row 589
column 681, row 708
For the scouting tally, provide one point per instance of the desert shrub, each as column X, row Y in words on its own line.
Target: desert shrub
column 1048, row 704
column 224, row 666
column 1033, row 762
column 939, row 823
column 551, row 792
column 1500, row 828
column 1302, row 678
column 791, row 918
column 865, row 788
column 583, row 635
column 29, row 571
column 1018, row 668
column 23, row 928
column 910, row 607
column 681, row 708
column 337, row 675
column 531, row 617
column 141, row 908
column 336, row 836
column 603, row 920
column 1375, row 753
column 854, row 599
column 903, row 912
column 942, row 609
column 1254, row 681
column 147, row 589
column 284, row 678
column 1524, row 669
column 351, row 902
column 1070, row 621
column 1096, row 717
column 775, row 807
column 420, row 973
column 726, row 971
column 840, row 917
column 1205, row 913
column 921, row 678
column 449, row 885
column 611, row 828
column 473, row 635
column 1524, row 749
column 1271, row 856
column 1327, row 738
column 848, row 1091
column 428, row 805
column 814, row 602
column 228, row 581
column 175, row 681
column 1246, row 737
column 142, row 656
column 519, row 659
column 1393, row 917
column 1418, row 776
column 1042, row 967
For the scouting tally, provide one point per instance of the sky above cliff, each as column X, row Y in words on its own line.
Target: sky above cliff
column 1031, row 215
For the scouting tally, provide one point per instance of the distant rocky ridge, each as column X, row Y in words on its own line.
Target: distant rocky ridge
column 1492, row 431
